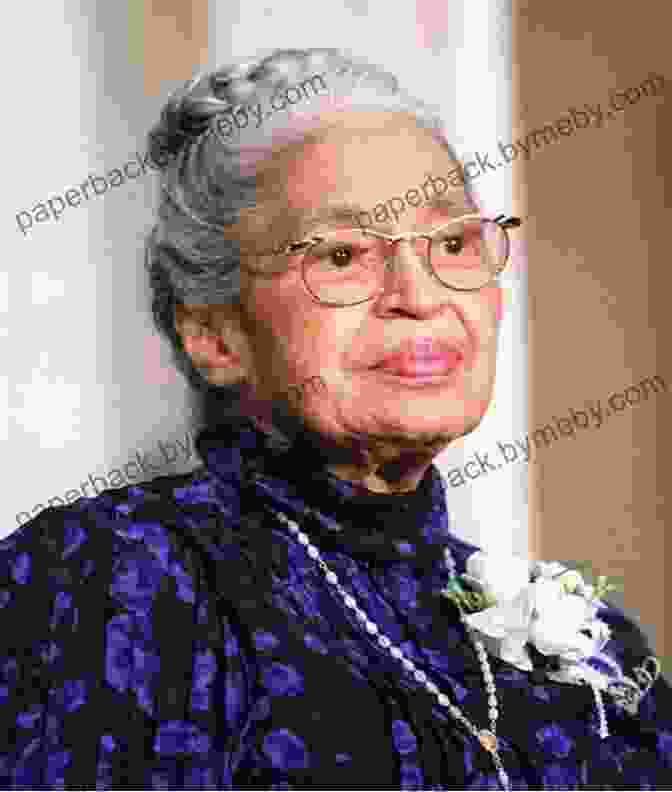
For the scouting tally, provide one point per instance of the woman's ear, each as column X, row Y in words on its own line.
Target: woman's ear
column 214, row 340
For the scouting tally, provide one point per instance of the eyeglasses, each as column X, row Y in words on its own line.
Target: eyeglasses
column 348, row 266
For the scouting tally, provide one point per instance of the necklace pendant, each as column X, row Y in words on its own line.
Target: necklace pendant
column 488, row 740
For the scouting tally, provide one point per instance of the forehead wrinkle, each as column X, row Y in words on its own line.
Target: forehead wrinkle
column 443, row 203
column 343, row 214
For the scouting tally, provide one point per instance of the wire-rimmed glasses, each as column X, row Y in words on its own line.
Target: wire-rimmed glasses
column 348, row 266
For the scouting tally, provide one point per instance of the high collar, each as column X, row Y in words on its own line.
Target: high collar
column 290, row 477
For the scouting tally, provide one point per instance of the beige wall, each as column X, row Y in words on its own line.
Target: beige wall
column 175, row 41
column 598, row 230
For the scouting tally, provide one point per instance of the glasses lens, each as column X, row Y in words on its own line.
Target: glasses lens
column 346, row 267
column 468, row 253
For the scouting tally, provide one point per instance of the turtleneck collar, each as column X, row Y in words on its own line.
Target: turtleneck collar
column 290, row 477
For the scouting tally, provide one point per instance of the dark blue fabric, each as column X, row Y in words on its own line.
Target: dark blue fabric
column 173, row 635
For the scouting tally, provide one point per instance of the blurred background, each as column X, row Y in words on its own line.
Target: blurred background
column 87, row 387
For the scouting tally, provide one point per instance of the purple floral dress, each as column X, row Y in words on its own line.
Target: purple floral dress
column 174, row 635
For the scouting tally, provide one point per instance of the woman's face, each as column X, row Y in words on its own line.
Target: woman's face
column 330, row 363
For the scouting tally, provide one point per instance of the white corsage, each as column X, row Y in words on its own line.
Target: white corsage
column 512, row 604
column 518, row 603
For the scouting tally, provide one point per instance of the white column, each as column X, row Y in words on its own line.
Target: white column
column 491, row 510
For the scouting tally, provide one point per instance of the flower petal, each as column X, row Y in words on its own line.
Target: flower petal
column 502, row 577
column 513, row 651
column 508, row 618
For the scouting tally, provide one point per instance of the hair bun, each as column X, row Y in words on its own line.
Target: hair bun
column 189, row 111
column 185, row 116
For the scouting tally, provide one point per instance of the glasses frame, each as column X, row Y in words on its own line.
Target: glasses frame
column 295, row 248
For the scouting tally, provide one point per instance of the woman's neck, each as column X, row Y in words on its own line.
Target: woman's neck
column 388, row 479
column 382, row 468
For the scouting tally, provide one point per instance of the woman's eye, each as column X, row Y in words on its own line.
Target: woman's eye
column 453, row 244
column 341, row 256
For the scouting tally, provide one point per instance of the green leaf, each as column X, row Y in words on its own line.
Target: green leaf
column 454, row 586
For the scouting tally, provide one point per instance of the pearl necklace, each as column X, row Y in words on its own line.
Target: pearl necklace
column 486, row 737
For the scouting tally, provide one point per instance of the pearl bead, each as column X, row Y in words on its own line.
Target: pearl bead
column 373, row 629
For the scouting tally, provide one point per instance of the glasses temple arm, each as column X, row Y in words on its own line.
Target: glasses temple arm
column 507, row 222
column 294, row 247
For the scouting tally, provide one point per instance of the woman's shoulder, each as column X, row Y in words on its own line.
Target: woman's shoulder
column 84, row 541
column 107, row 625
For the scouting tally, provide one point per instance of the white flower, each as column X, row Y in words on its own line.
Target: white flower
column 547, row 569
column 558, row 621
column 541, row 612
column 501, row 578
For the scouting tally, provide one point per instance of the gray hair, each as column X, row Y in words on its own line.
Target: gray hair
column 210, row 178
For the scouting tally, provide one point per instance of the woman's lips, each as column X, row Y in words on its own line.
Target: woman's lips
column 409, row 365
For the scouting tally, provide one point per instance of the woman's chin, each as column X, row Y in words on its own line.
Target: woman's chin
column 393, row 425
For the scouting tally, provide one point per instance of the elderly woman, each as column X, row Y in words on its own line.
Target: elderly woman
column 296, row 613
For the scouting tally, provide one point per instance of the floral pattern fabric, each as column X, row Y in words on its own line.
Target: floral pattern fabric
column 173, row 635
